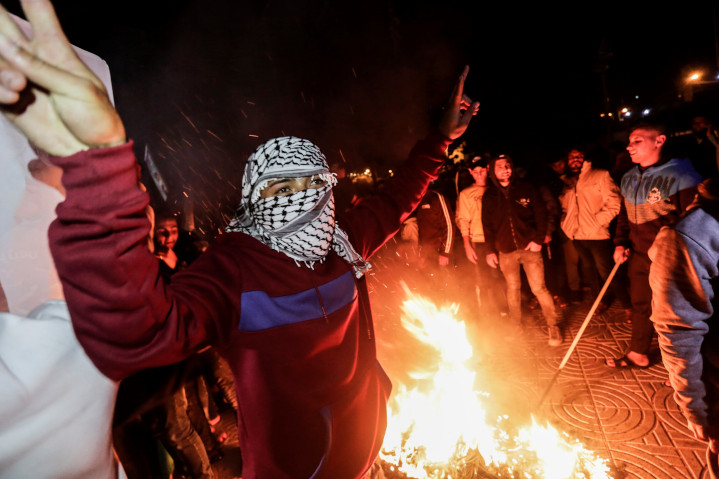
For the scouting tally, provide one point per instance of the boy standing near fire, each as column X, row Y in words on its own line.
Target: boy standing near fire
column 282, row 295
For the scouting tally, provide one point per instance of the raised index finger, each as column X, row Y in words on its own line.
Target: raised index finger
column 458, row 90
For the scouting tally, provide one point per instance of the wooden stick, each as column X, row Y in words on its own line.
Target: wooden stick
column 580, row 332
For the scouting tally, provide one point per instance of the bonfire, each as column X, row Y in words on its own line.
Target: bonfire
column 440, row 428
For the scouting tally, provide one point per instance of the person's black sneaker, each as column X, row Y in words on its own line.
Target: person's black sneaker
column 560, row 302
column 575, row 297
column 533, row 303
column 215, row 455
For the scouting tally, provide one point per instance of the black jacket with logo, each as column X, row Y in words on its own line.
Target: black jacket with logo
column 513, row 216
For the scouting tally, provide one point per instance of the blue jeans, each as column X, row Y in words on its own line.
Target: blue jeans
column 533, row 266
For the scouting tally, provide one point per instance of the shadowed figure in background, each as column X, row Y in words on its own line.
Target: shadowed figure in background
column 164, row 402
column 700, row 146
column 436, row 235
column 282, row 294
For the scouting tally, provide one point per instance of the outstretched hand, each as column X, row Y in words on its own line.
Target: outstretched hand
column 46, row 90
column 459, row 111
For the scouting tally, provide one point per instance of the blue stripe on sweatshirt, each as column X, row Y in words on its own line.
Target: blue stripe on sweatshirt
column 261, row 311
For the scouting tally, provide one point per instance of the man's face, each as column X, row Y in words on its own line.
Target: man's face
column 167, row 233
column 479, row 173
column 503, row 171
column 559, row 166
column 289, row 186
column 700, row 124
column 575, row 160
column 645, row 146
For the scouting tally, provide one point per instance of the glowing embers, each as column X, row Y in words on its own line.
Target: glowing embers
column 439, row 428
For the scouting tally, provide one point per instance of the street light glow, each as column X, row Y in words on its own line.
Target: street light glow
column 695, row 76
column 646, row 111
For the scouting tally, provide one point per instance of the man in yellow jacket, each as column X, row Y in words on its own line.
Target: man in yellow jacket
column 590, row 201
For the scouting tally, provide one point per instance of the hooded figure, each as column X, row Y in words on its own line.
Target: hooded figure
column 514, row 218
column 684, row 279
column 518, row 214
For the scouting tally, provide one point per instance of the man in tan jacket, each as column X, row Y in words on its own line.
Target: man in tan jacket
column 490, row 283
column 590, row 201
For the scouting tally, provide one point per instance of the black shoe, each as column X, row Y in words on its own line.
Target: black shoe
column 215, row 455
column 575, row 297
column 602, row 308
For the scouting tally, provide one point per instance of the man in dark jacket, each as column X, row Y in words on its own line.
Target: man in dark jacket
column 436, row 229
column 515, row 226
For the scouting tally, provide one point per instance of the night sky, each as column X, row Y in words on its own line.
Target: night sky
column 203, row 82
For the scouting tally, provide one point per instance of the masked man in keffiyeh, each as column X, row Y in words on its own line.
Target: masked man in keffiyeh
column 281, row 295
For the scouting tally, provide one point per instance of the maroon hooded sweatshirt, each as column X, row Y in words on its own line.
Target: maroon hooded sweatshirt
column 312, row 396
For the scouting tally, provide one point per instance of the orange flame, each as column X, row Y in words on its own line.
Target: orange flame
column 440, row 428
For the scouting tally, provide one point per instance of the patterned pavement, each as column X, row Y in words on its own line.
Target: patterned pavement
column 627, row 415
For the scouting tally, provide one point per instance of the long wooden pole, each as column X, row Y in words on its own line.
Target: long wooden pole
column 580, row 332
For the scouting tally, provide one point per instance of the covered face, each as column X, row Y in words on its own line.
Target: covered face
column 287, row 202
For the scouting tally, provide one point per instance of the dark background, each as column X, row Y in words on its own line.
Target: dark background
column 203, row 82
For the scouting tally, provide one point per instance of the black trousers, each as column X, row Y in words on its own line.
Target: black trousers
column 598, row 255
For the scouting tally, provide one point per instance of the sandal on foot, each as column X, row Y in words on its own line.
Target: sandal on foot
column 625, row 363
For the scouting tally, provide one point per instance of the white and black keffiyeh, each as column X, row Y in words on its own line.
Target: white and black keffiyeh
column 301, row 225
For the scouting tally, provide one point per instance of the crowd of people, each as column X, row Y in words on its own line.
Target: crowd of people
column 654, row 219
column 567, row 228
column 275, row 313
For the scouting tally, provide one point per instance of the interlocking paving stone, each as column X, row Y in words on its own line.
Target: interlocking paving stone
column 629, row 414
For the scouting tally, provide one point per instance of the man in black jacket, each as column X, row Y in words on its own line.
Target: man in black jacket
column 515, row 225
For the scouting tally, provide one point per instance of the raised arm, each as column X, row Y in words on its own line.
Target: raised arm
column 375, row 219
column 124, row 315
